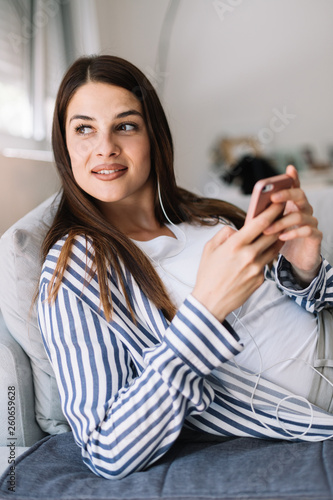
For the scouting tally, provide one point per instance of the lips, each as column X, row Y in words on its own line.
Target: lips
column 107, row 172
column 106, row 169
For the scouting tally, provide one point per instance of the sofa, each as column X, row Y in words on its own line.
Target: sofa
column 38, row 456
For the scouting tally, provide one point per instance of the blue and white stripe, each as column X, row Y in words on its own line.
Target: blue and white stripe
column 316, row 296
column 127, row 388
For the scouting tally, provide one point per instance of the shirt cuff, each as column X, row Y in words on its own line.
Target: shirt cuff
column 199, row 339
column 286, row 280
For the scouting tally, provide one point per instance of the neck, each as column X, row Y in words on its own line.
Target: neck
column 137, row 221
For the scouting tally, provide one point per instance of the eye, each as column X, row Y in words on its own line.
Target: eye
column 127, row 127
column 83, row 129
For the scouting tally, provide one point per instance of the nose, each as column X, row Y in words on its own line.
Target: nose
column 108, row 145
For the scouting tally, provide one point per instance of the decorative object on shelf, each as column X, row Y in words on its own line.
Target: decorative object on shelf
column 311, row 161
column 228, row 151
column 239, row 161
column 249, row 170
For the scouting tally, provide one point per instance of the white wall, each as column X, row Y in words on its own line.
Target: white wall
column 228, row 72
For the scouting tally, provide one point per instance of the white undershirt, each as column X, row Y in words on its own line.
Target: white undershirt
column 280, row 328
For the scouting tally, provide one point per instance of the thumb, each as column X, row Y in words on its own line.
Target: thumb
column 292, row 172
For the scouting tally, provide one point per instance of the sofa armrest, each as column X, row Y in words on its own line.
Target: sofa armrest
column 15, row 371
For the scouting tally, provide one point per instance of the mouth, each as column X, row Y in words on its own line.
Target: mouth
column 106, row 172
column 109, row 172
column 108, row 169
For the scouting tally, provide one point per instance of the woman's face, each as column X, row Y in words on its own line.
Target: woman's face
column 108, row 144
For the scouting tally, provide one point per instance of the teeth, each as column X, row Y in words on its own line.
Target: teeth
column 108, row 171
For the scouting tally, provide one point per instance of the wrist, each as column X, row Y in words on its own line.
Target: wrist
column 305, row 277
column 207, row 301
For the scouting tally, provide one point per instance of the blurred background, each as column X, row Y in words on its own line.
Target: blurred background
column 246, row 86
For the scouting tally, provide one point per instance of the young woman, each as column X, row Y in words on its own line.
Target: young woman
column 157, row 307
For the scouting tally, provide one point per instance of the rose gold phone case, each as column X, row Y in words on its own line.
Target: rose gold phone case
column 262, row 191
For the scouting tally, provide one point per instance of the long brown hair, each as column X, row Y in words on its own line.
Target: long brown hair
column 78, row 213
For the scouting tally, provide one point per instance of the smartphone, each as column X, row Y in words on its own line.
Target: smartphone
column 262, row 191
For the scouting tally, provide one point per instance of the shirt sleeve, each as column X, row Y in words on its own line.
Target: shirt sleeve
column 125, row 419
column 316, row 296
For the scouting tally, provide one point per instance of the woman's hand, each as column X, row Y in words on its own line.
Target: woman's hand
column 232, row 264
column 298, row 230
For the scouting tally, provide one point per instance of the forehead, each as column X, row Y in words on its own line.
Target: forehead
column 93, row 98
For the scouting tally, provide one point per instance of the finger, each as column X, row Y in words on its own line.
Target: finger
column 292, row 172
column 296, row 195
column 270, row 253
column 301, row 232
column 263, row 243
column 221, row 236
column 290, row 220
column 256, row 226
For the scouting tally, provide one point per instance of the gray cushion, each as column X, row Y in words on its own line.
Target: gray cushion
column 194, row 468
column 19, row 275
column 16, row 388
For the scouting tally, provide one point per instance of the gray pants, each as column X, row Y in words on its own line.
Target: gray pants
column 321, row 393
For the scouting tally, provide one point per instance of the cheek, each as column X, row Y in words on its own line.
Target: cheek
column 77, row 156
column 138, row 153
column 144, row 152
column 145, row 164
column 78, row 149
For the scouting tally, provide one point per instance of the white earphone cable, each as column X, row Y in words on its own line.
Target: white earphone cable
column 294, row 396
column 261, row 370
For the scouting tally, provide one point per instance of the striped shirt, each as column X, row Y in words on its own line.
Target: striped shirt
column 127, row 388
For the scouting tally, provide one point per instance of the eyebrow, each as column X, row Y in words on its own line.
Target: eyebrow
column 124, row 114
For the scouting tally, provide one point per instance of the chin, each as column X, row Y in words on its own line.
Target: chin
column 107, row 198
